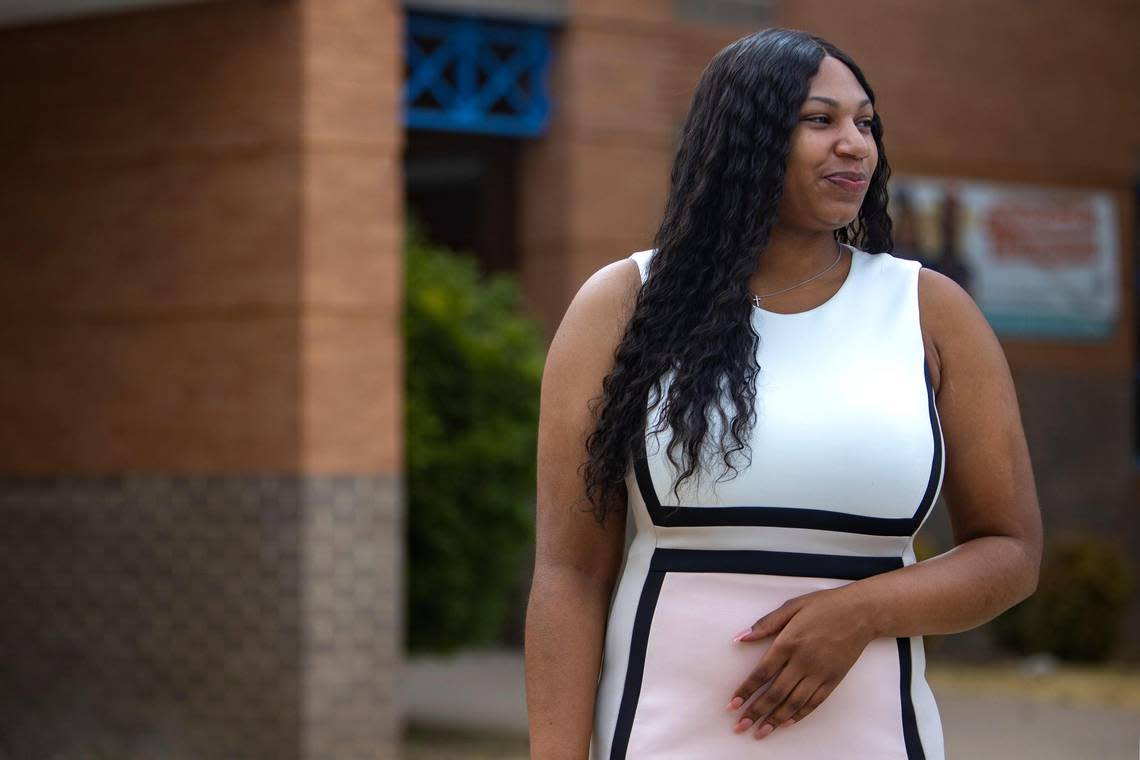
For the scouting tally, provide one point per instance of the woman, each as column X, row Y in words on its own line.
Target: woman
column 832, row 388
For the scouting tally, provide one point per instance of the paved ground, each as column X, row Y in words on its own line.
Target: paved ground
column 473, row 707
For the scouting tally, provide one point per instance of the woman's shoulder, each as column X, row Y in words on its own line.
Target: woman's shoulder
column 611, row 285
column 613, row 288
column 952, row 322
column 598, row 313
column 947, row 304
column 884, row 261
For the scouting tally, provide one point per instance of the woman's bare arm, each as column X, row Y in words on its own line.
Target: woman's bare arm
column 576, row 559
column 988, row 487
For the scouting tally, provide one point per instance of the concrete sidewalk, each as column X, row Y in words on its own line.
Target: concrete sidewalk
column 484, row 692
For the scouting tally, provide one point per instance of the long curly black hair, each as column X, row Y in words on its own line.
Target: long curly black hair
column 692, row 319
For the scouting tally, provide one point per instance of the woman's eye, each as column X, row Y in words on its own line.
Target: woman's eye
column 863, row 123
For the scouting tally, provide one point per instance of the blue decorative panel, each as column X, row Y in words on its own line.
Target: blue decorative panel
column 466, row 74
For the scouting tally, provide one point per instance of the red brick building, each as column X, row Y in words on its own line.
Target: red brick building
column 200, row 258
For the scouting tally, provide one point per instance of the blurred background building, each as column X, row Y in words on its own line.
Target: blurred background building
column 201, row 221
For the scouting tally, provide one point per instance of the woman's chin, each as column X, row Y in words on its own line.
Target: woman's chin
column 838, row 222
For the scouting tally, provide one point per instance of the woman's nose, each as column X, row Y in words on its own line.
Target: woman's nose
column 853, row 142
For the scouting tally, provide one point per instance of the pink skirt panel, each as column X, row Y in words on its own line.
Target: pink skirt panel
column 692, row 667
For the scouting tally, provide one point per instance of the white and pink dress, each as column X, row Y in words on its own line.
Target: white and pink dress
column 847, row 461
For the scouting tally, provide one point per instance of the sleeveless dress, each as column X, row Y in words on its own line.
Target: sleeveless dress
column 847, row 460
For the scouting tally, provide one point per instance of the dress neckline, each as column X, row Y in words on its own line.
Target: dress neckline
column 855, row 261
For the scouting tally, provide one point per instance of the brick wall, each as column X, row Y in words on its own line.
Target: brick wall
column 200, row 458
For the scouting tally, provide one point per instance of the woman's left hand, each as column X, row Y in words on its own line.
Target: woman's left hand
column 818, row 638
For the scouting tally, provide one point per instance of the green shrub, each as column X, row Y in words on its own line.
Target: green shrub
column 925, row 547
column 1078, row 610
column 473, row 369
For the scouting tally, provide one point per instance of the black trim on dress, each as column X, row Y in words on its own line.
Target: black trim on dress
column 911, row 737
column 796, row 564
column 933, row 483
column 642, row 621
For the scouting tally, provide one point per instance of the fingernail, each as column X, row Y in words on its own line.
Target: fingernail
column 734, row 704
column 787, row 722
column 742, row 634
column 764, row 730
column 743, row 725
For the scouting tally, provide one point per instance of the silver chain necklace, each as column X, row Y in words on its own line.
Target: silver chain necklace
column 756, row 297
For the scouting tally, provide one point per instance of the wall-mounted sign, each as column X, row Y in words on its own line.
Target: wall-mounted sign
column 1040, row 262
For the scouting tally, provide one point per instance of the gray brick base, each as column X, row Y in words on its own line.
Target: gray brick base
column 199, row 617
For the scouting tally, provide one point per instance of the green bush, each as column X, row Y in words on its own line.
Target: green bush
column 1078, row 610
column 473, row 370
column 925, row 547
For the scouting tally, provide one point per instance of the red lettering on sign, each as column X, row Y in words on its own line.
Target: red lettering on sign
column 1045, row 233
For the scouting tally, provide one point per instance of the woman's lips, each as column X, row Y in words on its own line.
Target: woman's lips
column 851, row 185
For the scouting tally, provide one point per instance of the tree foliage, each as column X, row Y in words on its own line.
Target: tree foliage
column 472, row 374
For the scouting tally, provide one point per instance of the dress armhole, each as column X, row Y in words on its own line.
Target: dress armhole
column 642, row 258
column 936, row 370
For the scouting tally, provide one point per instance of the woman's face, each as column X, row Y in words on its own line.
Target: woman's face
column 833, row 154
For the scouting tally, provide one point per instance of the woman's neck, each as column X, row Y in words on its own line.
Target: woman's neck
column 792, row 256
